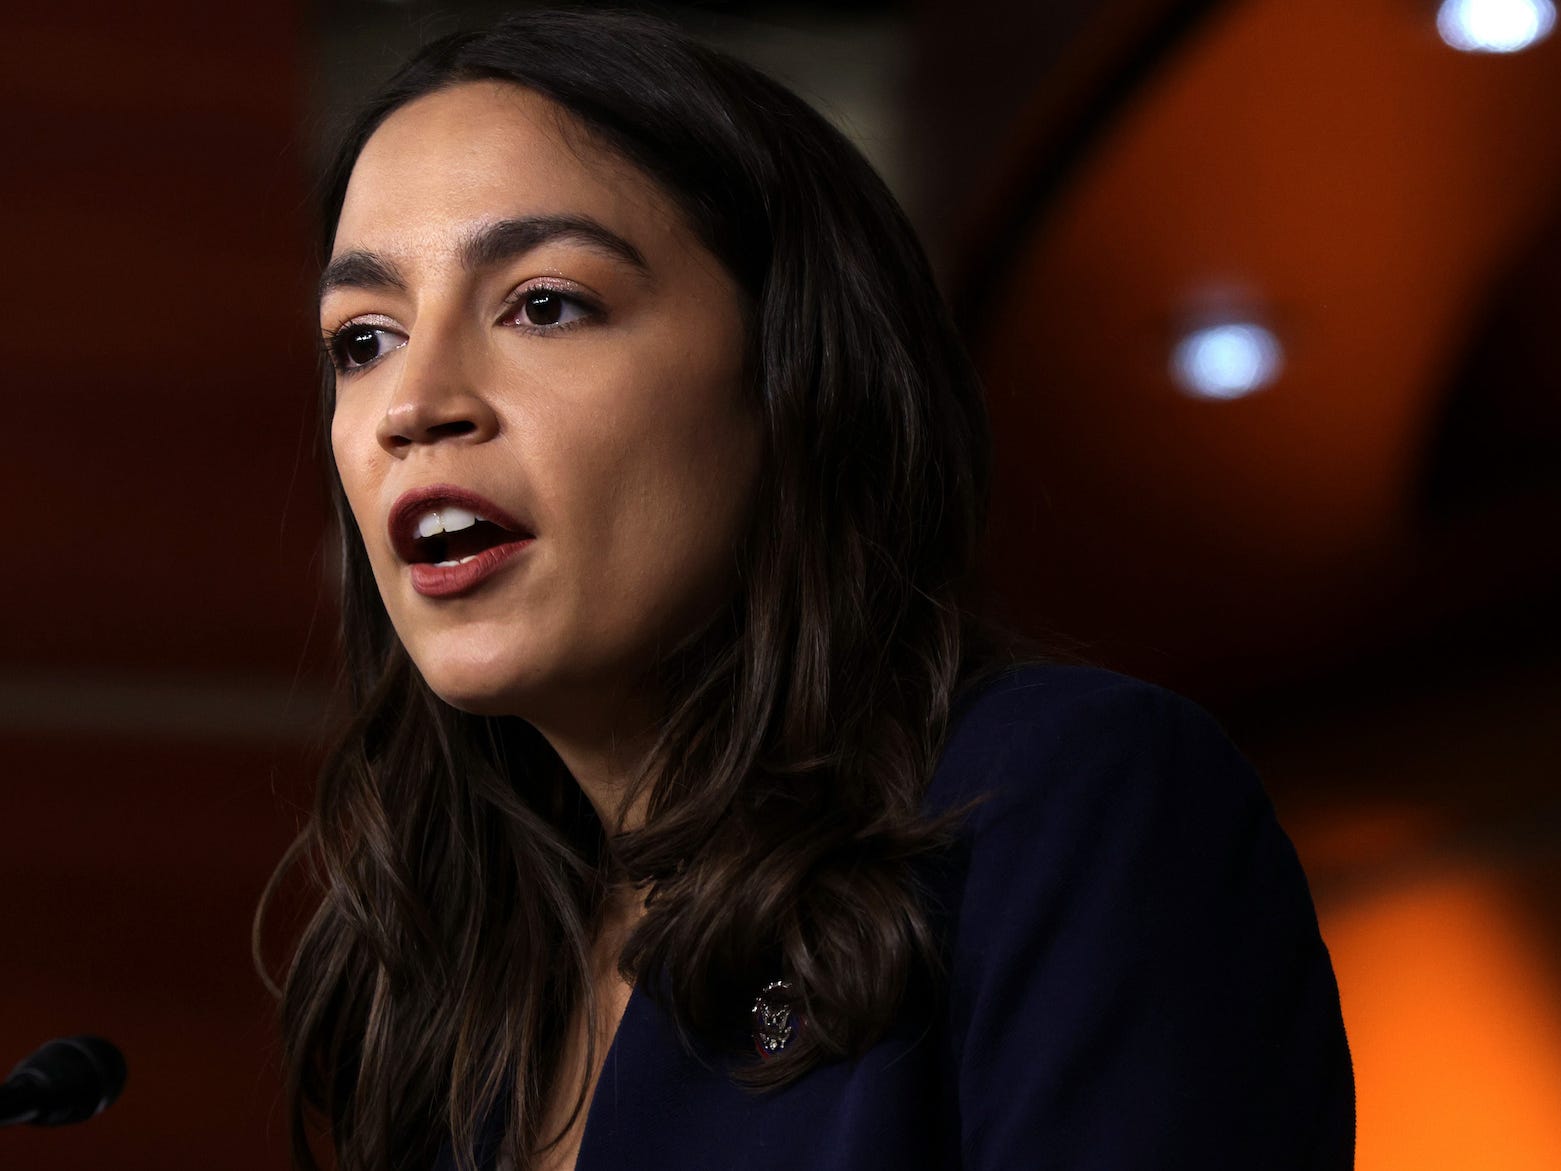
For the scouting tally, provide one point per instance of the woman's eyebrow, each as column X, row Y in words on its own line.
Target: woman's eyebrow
column 360, row 270
column 497, row 242
column 491, row 244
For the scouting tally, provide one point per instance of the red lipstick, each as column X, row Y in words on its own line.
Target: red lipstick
column 453, row 539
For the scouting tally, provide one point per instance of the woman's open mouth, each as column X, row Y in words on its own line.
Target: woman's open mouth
column 453, row 540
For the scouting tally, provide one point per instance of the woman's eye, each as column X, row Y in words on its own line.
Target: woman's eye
column 358, row 345
column 548, row 307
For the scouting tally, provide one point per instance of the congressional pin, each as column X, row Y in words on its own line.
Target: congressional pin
column 774, row 1021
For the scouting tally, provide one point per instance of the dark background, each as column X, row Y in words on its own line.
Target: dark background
column 1356, row 567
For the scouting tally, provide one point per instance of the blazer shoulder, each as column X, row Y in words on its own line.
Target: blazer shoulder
column 1129, row 930
column 1031, row 731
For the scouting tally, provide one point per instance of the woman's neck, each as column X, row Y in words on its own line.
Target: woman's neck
column 601, row 772
column 605, row 755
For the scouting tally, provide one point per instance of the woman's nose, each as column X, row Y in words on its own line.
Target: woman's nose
column 436, row 400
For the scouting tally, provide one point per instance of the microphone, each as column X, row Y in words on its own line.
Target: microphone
column 68, row 1080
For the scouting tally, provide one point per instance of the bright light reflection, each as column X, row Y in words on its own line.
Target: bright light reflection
column 1227, row 361
column 1495, row 26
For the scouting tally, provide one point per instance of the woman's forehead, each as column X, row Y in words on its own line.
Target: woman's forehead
column 470, row 154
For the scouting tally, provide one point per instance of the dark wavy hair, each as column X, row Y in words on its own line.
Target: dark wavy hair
column 458, row 870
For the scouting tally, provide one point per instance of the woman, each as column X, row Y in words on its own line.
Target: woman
column 686, row 820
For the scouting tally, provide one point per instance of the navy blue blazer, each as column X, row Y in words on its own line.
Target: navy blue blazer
column 1135, row 977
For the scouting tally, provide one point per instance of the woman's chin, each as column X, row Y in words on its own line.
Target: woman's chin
column 477, row 688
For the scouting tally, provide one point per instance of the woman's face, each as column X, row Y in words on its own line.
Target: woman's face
column 540, row 421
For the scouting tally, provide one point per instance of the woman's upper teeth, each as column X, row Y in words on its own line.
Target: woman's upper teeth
column 447, row 520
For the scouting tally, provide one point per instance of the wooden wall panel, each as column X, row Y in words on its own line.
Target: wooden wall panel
column 157, row 343
column 162, row 572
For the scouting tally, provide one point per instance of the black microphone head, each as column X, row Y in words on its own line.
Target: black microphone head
column 71, row 1079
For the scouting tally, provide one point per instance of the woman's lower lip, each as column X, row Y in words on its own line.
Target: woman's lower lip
column 445, row 581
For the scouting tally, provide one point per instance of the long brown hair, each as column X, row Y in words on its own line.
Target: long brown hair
column 460, row 871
